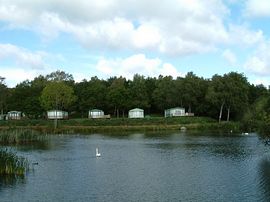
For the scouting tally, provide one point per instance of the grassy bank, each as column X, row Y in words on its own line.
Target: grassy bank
column 109, row 122
column 121, row 124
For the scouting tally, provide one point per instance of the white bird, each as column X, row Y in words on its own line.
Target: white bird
column 97, row 153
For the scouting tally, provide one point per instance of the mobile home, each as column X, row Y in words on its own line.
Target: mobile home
column 14, row 115
column 177, row 111
column 57, row 114
column 136, row 113
column 95, row 113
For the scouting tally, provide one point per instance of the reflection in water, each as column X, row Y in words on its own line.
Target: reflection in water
column 145, row 167
column 10, row 181
column 264, row 172
column 41, row 145
column 233, row 147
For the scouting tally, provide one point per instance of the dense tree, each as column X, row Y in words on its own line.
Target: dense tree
column 256, row 91
column 230, row 90
column 138, row 92
column 165, row 92
column 193, row 90
column 3, row 94
column 60, row 76
column 237, row 93
column 28, row 93
column 204, row 97
column 118, row 96
column 57, row 95
column 91, row 94
column 215, row 94
column 150, row 85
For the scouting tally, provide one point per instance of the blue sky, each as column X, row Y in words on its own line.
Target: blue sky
column 117, row 37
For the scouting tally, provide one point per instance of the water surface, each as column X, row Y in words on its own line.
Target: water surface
column 144, row 167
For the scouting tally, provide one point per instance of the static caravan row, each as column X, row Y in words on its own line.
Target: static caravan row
column 97, row 113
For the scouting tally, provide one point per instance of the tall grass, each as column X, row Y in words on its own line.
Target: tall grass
column 11, row 164
column 20, row 136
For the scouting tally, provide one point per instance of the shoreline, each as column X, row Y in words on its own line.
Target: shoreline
column 77, row 128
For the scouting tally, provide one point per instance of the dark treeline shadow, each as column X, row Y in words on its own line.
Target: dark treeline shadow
column 264, row 172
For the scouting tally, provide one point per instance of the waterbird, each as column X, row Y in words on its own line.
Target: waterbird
column 97, row 153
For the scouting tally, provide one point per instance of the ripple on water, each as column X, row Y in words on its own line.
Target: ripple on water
column 145, row 168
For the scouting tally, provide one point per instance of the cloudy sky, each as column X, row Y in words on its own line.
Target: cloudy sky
column 122, row 37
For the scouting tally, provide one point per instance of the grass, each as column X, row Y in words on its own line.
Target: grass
column 120, row 124
column 11, row 164
column 108, row 122
column 19, row 136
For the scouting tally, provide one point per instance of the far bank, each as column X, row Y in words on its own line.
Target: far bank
column 121, row 124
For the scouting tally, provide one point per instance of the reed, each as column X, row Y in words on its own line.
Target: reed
column 20, row 136
column 11, row 164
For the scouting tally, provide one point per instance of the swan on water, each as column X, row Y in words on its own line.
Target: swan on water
column 97, row 153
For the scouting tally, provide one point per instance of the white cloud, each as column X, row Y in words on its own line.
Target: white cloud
column 243, row 35
column 263, row 81
column 257, row 8
column 259, row 62
column 229, row 56
column 16, row 75
column 176, row 27
column 129, row 66
column 22, row 56
column 18, row 64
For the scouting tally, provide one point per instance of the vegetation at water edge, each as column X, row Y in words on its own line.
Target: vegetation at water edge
column 11, row 164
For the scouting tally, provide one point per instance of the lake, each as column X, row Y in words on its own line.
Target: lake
column 172, row 166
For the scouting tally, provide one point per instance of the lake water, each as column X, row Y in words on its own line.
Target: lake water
column 144, row 167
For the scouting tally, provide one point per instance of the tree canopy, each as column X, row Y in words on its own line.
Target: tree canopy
column 223, row 97
column 57, row 95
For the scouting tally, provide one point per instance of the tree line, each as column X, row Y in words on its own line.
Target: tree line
column 223, row 97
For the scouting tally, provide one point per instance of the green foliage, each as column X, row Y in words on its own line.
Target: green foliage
column 3, row 94
column 258, row 117
column 11, row 164
column 164, row 94
column 57, row 95
column 230, row 93
column 138, row 92
column 25, row 97
column 193, row 90
column 60, row 76
column 255, row 92
column 91, row 94
column 118, row 95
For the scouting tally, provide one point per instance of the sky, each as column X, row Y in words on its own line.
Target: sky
column 107, row 38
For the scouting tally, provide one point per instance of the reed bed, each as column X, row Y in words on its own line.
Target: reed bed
column 20, row 136
column 11, row 164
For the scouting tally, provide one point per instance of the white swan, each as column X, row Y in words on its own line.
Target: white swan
column 97, row 153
